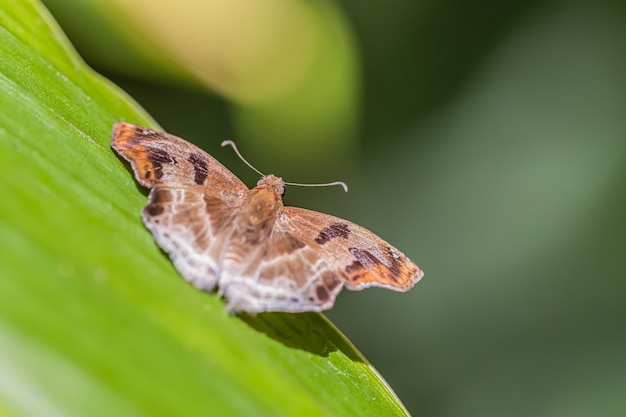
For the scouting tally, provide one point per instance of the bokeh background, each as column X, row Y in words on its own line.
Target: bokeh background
column 486, row 140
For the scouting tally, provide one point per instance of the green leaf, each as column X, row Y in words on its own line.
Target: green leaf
column 94, row 320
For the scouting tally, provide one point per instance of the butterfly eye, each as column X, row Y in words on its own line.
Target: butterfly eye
column 282, row 191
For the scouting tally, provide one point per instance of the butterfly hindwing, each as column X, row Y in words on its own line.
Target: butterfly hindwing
column 280, row 274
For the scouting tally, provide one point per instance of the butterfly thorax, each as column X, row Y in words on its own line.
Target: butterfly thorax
column 262, row 205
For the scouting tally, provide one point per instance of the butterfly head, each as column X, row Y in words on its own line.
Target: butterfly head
column 274, row 183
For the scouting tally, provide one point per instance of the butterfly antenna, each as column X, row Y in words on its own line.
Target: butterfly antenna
column 231, row 143
column 328, row 184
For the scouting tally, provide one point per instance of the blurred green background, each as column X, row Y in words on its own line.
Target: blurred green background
column 486, row 140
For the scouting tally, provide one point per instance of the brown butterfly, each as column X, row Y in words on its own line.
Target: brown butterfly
column 261, row 255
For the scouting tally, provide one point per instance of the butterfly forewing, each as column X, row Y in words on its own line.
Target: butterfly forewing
column 361, row 258
column 161, row 159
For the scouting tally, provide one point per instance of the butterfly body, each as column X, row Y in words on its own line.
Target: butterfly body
column 261, row 206
column 261, row 255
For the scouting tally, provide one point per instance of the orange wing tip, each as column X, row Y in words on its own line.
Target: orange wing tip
column 411, row 282
column 420, row 275
column 403, row 283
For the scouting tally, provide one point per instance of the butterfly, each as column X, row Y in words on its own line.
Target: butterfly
column 261, row 255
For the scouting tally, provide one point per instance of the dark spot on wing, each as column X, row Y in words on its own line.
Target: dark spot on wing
column 330, row 280
column 160, row 196
column 200, row 167
column 154, row 209
column 354, row 266
column 322, row 293
column 331, row 232
column 365, row 261
column 159, row 157
column 365, row 257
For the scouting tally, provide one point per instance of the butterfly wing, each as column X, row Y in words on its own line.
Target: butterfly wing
column 161, row 159
column 360, row 257
column 192, row 201
column 305, row 262
column 281, row 273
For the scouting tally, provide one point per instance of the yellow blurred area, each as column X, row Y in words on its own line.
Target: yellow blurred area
column 248, row 51
column 288, row 68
